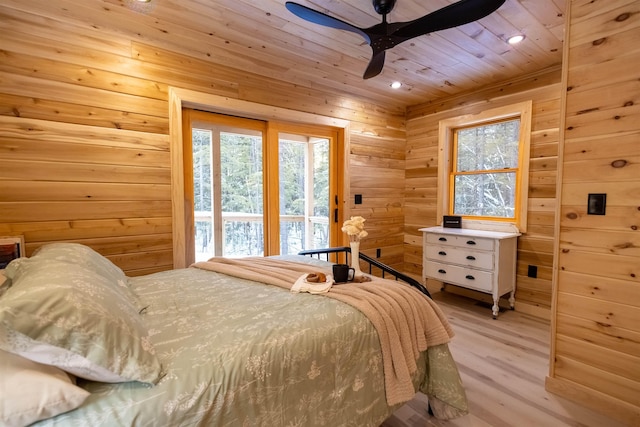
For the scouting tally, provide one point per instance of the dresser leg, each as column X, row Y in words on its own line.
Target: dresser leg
column 496, row 308
column 512, row 300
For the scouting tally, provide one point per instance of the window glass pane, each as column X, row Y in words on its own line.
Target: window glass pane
column 489, row 147
column 320, row 209
column 321, row 178
column 304, row 193
column 291, row 159
column 202, row 169
column 242, row 194
column 203, row 216
column 292, row 174
column 485, row 195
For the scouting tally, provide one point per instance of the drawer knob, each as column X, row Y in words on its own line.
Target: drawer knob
column 471, row 258
column 470, row 277
column 443, row 253
column 441, row 271
column 443, row 239
column 470, row 242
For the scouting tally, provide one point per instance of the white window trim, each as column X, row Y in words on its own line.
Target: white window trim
column 523, row 110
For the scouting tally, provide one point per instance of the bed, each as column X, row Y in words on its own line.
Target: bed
column 83, row 344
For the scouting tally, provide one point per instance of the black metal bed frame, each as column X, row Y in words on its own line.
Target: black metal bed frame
column 334, row 255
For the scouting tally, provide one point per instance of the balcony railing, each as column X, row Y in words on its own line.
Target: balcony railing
column 293, row 238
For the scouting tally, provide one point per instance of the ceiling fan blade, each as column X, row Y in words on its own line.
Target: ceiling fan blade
column 455, row 14
column 375, row 65
column 320, row 18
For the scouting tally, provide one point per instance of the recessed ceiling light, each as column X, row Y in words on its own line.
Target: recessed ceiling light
column 140, row 6
column 396, row 85
column 515, row 39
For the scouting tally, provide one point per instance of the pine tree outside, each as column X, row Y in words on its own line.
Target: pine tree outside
column 304, row 193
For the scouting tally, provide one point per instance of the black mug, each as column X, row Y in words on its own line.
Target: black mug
column 343, row 273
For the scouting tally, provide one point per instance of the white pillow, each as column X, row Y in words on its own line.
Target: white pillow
column 33, row 392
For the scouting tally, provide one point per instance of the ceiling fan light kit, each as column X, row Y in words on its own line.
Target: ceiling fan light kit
column 386, row 35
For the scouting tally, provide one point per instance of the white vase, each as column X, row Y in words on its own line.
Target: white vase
column 355, row 258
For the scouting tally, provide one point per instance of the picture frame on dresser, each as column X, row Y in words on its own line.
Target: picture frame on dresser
column 11, row 247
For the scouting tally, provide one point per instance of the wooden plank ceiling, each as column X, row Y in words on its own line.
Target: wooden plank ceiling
column 264, row 37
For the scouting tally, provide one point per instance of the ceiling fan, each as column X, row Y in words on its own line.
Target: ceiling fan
column 386, row 35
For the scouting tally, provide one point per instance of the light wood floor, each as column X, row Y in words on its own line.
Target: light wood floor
column 503, row 364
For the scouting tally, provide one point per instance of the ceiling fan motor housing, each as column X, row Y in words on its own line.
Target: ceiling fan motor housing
column 383, row 6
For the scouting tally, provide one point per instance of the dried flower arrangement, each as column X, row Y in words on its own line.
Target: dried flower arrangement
column 354, row 227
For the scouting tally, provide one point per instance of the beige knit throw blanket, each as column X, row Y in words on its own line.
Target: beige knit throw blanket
column 406, row 320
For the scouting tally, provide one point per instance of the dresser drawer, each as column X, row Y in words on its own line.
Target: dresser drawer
column 460, row 256
column 478, row 243
column 467, row 277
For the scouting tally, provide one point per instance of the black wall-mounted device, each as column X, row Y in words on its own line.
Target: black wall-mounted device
column 597, row 204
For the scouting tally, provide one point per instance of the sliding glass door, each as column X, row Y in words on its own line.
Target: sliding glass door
column 259, row 188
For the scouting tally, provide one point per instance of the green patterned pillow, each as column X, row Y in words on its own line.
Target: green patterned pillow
column 78, row 254
column 69, row 316
column 82, row 255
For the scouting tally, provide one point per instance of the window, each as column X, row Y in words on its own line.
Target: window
column 483, row 166
column 255, row 187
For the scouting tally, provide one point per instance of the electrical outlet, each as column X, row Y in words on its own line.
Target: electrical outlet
column 532, row 271
column 378, row 252
column 358, row 199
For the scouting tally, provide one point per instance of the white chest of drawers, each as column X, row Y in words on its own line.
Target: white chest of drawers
column 481, row 260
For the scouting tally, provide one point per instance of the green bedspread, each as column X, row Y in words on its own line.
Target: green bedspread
column 239, row 353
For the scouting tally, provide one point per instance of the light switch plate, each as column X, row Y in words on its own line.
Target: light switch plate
column 597, row 204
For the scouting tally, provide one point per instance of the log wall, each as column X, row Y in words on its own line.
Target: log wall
column 84, row 131
column 535, row 247
column 595, row 353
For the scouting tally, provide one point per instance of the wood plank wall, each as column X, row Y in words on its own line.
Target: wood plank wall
column 84, row 145
column 535, row 247
column 595, row 355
